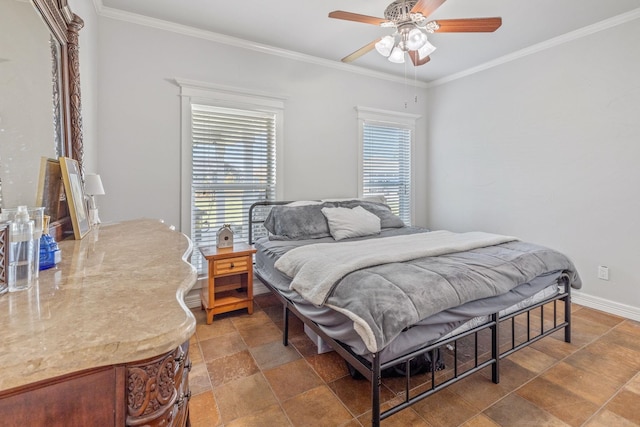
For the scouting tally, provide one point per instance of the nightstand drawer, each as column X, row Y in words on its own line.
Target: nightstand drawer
column 231, row 265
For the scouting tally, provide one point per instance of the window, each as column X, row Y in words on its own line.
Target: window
column 232, row 164
column 386, row 158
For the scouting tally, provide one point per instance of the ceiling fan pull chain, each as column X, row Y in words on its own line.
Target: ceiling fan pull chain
column 415, row 85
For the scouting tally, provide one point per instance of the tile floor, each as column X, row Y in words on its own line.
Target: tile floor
column 242, row 375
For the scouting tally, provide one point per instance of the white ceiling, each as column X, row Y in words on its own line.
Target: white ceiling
column 303, row 26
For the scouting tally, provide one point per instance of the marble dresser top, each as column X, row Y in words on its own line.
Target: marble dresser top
column 116, row 297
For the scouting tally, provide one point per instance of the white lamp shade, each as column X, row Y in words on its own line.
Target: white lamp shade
column 416, row 39
column 93, row 185
column 397, row 55
column 385, row 45
column 426, row 50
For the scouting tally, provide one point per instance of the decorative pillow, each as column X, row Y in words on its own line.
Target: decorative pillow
column 356, row 222
column 387, row 218
column 297, row 222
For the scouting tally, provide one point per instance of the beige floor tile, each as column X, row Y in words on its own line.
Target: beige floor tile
column 356, row 394
column 244, row 397
column 404, row 418
column 606, row 319
column 203, row 410
column 291, row 379
column 634, row 385
column 215, row 329
column 274, row 354
column 222, row 345
column 595, row 387
column 261, row 334
column 199, row 380
column 630, row 327
column 623, row 338
column 330, row 366
column 270, row 416
column 619, row 363
column 479, row 391
column 317, row 407
column 627, row 405
column 445, row 409
column 558, row 401
column 606, row 418
column 480, row 420
column 533, row 360
column 231, row 368
column 247, row 321
column 516, row 411
column 304, row 345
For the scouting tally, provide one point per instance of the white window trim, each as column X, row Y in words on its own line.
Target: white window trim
column 394, row 118
column 194, row 92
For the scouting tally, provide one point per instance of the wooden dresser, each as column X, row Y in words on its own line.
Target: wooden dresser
column 102, row 339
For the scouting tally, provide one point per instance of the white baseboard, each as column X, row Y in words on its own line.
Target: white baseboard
column 193, row 297
column 606, row 305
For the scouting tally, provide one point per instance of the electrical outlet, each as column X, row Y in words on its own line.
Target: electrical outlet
column 603, row 272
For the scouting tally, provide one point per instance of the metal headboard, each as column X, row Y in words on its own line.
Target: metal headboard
column 258, row 213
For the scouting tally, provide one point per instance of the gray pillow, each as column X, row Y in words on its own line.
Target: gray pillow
column 387, row 218
column 298, row 222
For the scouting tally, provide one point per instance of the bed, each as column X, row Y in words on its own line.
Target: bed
column 394, row 299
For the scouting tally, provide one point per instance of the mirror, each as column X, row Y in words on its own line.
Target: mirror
column 39, row 93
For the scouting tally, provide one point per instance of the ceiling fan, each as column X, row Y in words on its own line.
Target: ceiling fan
column 409, row 18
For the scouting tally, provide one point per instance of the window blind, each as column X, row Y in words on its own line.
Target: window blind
column 386, row 166
column 233, row 166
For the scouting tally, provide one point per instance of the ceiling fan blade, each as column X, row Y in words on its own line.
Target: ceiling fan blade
column 427, row 7
column 471, row 25
column 415, row 58
column 358, row 53
column 348, row 16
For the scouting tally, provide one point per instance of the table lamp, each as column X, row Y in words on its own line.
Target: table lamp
column 93, row 187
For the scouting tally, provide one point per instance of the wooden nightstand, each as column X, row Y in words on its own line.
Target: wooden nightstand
column 230, row 284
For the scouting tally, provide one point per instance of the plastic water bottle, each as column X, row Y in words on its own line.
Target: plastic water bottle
column 49, row 251
column 21, row 251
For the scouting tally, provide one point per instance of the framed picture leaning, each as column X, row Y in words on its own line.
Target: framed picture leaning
column 75, row 196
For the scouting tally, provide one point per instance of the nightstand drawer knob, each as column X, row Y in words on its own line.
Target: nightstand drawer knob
column 232, row 265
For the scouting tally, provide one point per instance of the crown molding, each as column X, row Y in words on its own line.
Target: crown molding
column 270, row 50
column 133, row 18
column 98, row 6
column 548, row 44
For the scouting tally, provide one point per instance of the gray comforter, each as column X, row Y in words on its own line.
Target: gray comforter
column 382, row 300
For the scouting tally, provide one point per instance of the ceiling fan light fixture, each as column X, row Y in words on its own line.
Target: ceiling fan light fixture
column 426, row 50
column 385, row 45
column 397, row 55
column 416, row 39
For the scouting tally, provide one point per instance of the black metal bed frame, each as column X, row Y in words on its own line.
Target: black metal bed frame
column 372, row 370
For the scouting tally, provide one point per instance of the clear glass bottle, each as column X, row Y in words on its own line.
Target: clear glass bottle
column 21, row 251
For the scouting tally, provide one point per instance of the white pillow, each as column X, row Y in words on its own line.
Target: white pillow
column 356, row 222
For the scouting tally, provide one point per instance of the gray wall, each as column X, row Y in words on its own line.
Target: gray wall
column 546, row 148
column 139, row 104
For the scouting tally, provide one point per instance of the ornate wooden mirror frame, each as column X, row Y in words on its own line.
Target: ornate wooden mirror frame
column 65, row 26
